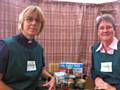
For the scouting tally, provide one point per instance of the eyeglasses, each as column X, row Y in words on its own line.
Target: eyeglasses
column 31, row 19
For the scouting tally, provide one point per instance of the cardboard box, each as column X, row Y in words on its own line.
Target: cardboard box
column 75, row 67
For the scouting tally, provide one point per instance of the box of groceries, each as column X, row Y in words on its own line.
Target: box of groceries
column 73, row 68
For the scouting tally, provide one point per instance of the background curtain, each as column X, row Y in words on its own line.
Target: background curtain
column 69, row 31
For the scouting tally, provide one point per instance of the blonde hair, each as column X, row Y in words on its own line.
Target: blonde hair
column 26, row 12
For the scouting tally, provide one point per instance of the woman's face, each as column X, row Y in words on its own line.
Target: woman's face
column 105, row 31
column 31, row 25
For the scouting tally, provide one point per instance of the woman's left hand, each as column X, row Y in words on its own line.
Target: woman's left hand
column 101, row 84
column 50, row 84
column 108, row 86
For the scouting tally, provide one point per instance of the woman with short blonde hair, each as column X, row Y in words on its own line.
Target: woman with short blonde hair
column 22, row 57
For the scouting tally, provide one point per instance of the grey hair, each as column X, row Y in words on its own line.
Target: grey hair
column 105, row 17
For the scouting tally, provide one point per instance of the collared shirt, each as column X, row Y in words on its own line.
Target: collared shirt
column 112, row 47
column 25, row 42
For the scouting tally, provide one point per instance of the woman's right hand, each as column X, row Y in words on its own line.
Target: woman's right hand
column 3, row 86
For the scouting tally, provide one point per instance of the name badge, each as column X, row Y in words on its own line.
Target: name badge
column 106, row 67
column 31, row 66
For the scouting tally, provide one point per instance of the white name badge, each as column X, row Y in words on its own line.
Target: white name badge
column 31, row 66
column 106, row 67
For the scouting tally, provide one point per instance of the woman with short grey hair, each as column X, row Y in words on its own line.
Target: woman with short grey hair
column 106, row 55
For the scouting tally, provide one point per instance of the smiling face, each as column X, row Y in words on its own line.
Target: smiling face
column 31, row 25
column 31, row 21
column 105, row 31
